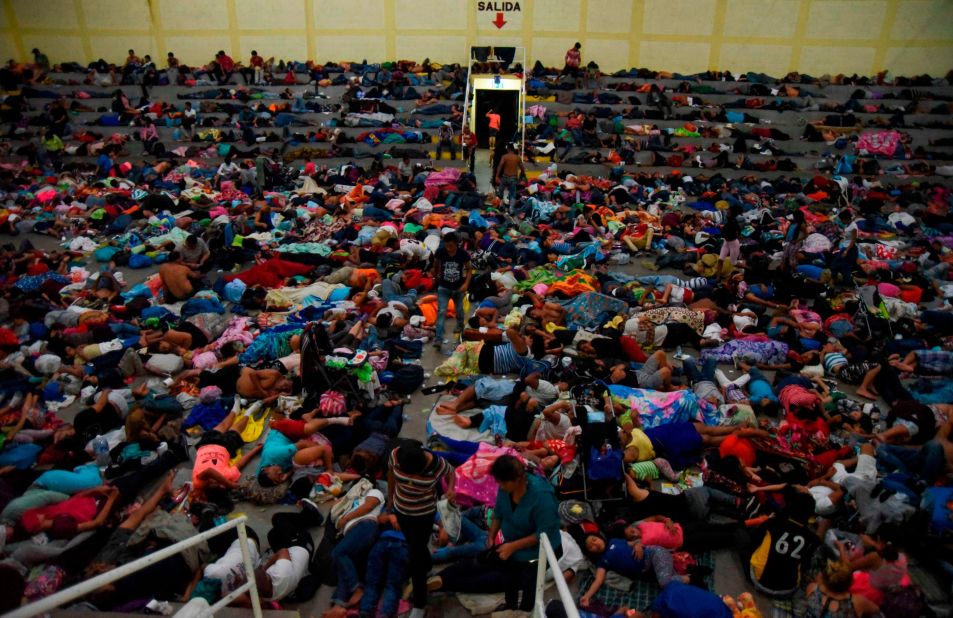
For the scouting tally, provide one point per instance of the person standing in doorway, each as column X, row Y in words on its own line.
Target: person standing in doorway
column 494, row 119
column 508, row 173
column 452, row 273
column 413, row 481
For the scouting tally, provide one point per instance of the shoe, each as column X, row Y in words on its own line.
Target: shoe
column 309, row 508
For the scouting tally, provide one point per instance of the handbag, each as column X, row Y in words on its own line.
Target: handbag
column 605, row 466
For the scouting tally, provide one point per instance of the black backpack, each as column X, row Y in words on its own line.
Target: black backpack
column 407, row 379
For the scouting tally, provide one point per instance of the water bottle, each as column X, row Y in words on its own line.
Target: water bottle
column 101, row 451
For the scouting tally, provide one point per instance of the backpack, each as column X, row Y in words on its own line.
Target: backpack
column 140, row 260
column 407, row 379
column 355, row 493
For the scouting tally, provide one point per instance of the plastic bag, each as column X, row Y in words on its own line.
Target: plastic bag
column 450, row 518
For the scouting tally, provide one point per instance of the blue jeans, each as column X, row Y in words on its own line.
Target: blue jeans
column 391, row 291
column 382, row 419
column 356, row 542
column 926, row 462
column 694, row 374
column 387, row 569
column 472, row 539
column 508, row 187
column 444, row 296
column 844, row 263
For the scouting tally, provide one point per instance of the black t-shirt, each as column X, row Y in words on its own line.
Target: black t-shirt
column 453, row 268
column 785, row 547
column 730, row 230
column 608, row 348
column 657, row 503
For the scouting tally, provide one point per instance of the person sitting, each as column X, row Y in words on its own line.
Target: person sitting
column 178, row 279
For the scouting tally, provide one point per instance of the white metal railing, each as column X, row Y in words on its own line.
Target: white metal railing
column 83, row 588
column 547, row 558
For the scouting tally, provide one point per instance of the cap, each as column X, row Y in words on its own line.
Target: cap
column 574, row 511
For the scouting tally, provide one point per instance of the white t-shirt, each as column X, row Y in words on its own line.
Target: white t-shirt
column 823, row 505
column 865, row 471
column 553, row 431
column 572, row 558
column 230, row 569
column 373, row 513
column 285, row 575
column 414, row 248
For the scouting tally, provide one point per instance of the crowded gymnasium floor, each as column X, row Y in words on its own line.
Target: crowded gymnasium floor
column 709, row 310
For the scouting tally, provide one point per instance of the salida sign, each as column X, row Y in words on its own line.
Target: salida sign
column 499, row 8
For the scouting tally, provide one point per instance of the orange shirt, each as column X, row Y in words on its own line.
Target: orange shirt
column 213, row 457
column 494, row 121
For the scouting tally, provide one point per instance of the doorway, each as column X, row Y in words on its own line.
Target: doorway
column 506, row 104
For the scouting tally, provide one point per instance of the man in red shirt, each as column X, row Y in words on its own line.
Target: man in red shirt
column 226, row 66
column 255, row 66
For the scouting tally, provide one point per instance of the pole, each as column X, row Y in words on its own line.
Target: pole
column 249, row 570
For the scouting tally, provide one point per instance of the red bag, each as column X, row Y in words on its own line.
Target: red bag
column 333, row 403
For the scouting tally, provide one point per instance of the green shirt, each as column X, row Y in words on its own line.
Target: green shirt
column 537, row 512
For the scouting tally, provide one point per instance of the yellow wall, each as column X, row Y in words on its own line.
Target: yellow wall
column 773, row 36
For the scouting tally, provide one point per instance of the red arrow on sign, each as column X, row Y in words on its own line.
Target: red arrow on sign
column 499, row 22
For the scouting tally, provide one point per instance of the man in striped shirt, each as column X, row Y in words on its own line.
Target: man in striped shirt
column 413, row 481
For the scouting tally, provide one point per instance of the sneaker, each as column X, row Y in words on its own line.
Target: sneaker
column 315, row 518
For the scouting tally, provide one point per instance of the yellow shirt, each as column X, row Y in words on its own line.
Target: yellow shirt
column 641, row 442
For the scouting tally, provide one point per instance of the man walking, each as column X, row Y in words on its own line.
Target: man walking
column 508, row 173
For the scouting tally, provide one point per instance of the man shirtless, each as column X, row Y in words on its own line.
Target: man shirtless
column 264, row 384
column 508, row 174
column 177, row 279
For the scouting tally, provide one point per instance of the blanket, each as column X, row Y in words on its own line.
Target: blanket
column 591, row 310
column 656, row 408
column 270, row 273
column 754, row 348
column 642, row 592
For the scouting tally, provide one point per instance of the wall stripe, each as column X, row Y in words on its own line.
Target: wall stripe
column 885, row 30
column 803, row 15
column 718, row 34
column 13, row 32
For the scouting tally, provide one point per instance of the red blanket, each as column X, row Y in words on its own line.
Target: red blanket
column 271, row 273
